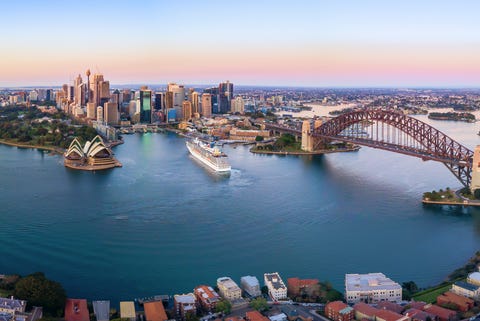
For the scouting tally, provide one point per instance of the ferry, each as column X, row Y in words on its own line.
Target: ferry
column 209, row 155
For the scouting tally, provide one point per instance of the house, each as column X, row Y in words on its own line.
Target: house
column 462, row 303
column 339, row 311
column 466, row 289
column 441, row 313
column 297, row 287
column 364, row 311
column 76, row 310
column 154, row 311
column 127, row 310
column 419, row 315
column 386, row 315
column 390, row 306
column 255, row 316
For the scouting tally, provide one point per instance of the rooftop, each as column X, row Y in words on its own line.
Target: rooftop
column 127, row 309
column 255, row 316
column 369, row 282
column 365, row 309
column 76, row 310
column 206, row 293
column 275, row 280
column 474, row 276
column 467, row 286
column 185, row 298
column 301, row 282
column 227, row 282
column 439, row 311
column 250, row 280
column 101, row 310
column 389, row 315
column 154, row 311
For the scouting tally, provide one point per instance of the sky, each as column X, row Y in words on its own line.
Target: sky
column 318, row 43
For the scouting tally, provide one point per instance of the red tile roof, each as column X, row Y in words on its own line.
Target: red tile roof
column 76, row 310
column 154, row 311
column 255, row 316
column 442, row 313
column 335, row 306
column 301, row 282
column 389, row 315
column 365, row 309
column 386, row 305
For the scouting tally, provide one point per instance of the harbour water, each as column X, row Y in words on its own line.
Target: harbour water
column 163, row 224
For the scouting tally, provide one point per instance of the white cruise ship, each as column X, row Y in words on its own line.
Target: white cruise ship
column 210, row 156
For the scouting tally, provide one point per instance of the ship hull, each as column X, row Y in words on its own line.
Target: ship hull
column 198, row 155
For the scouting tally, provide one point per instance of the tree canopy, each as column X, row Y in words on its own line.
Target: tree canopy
column 40, row 291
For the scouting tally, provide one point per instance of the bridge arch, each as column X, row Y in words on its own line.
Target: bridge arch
column 394, row 131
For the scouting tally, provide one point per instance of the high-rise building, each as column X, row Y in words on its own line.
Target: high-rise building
column 111, row 113
column 213, row 91
column 100, row 114
column 100, row 90
column 225, row 94
column 77, row 86
column 238, row 105
column 145, row 106
column 159, row 101
column 176, row 98
column 187, row 110
column 91, row 111
column 206, row 105
column 194, row 99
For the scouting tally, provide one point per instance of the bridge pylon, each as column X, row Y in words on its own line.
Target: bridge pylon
column 311, row 143
column 475, row 182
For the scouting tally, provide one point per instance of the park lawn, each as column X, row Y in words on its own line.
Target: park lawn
column 430, row 295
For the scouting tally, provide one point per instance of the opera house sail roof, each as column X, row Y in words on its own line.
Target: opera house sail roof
column 94, row 155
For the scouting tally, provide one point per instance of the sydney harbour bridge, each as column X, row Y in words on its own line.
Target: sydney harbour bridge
column 392, row 131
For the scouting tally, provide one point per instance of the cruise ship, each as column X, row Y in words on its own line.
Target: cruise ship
column 209, row 155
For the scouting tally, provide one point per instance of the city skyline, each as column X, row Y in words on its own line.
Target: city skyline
column 272, row 43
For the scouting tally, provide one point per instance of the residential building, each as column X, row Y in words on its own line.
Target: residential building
column 297, row 287
column 255, row 316
column 292, row 313
column 364, row 311
column 206, row 297
column 276, row 288
column 278, row 317
column 337, row 310
column 250, row 285
column 442, row 314
column 462, row 303
column 371, row 288
column 154, row 311
column 238, row 105
column 390, row 306
column 184, row 304
column 76, row 310
column 187, row 110
column 474, row 278
column 127, row 310
column 419, row 315
column 466, row 289
column 228, row 289
column 101, row 309
column 386, row 315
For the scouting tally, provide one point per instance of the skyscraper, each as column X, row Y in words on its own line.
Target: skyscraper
column 100, row 90
column 238, row 105
column 159, row 101
column 77, row 86
column 194, row 99
column 213, row 91
column 111, row 113
column 225, row 95
column 178, row 96
column 187, row 110
column 145, row 106
column 206, row 105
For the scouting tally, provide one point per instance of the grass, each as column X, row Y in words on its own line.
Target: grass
column 430, row 295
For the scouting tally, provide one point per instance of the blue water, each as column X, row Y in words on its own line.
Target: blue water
column 165, row 224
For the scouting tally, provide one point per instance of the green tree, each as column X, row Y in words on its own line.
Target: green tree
column 259, row 139
column 224, row 307
column 259, row 304
column 40, row 291
column 191, row 317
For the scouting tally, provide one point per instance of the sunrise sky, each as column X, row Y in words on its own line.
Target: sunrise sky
column 356, row 43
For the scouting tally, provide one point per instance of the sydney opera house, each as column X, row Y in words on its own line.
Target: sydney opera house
column 93, row 156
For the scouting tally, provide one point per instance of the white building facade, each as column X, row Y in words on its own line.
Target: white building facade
column 228, row 289
column 371, row 288
column 250, row 285
column 276, row 288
